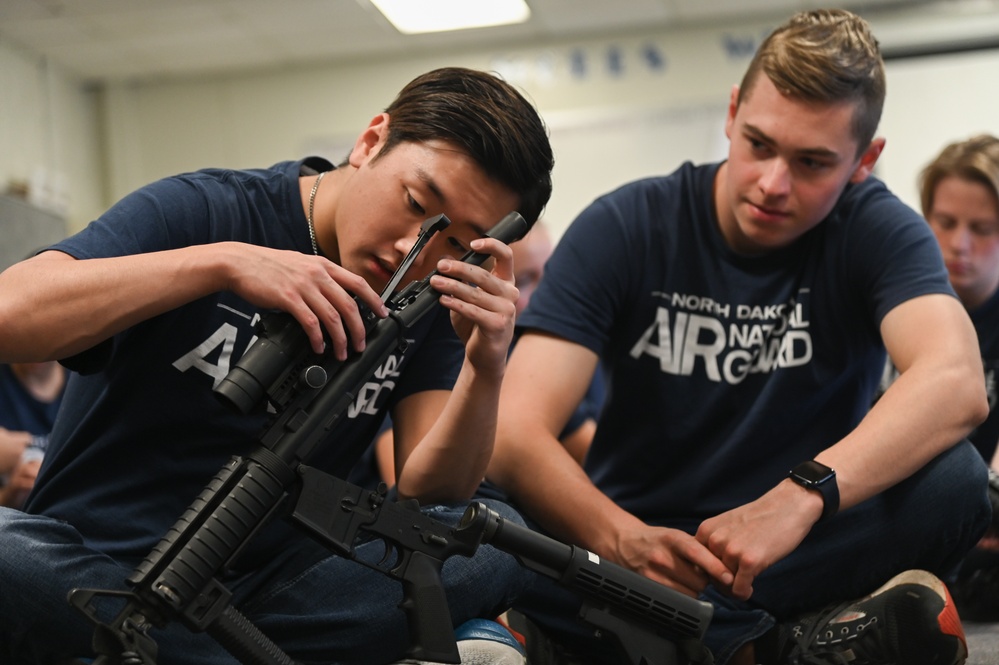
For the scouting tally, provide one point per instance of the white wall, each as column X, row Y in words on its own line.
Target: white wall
column 933, row 101
column 48, row 136
column 617, row 108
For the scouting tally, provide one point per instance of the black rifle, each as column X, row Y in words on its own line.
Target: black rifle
column 179, row 579
column 651, row 623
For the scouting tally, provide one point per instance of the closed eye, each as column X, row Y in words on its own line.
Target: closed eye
column 415, row 205
column 756, row 144
column 984, row 230
column 813, row 164
column 944, row 222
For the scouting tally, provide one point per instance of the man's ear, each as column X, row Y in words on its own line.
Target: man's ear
column 370, row 141
column 868, row 160
column 733, row 106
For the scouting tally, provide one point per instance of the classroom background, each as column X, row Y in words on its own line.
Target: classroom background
column 99, row 97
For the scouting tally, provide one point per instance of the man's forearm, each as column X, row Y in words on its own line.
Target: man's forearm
column 450, row 461
column 545, row 481
column 923, row 413
column 55, row 306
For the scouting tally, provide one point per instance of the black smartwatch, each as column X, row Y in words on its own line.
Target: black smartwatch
column 820, row 478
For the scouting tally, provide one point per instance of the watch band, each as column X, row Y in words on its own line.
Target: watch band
column 819, row 478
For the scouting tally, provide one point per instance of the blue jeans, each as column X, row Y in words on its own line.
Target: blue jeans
column 319, row 608
column 928, row 521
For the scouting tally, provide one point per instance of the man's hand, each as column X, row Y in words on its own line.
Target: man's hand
column 22, row 479
column 671, row 557
column 12, row 445
column 482, row 303
column 751, row 538
column 316, row 291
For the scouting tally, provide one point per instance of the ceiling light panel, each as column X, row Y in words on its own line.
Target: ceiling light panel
column 410, row 17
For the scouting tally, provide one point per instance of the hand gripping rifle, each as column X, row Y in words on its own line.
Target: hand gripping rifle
column 179, row 579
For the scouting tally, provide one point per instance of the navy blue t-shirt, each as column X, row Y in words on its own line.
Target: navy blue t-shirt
column 986, row 320
column 724, row 371
column 141, row 432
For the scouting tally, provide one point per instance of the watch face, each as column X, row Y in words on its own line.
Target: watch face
column 812, row 472
column 818, row 477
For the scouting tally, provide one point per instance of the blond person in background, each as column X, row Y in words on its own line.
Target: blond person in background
column 959, row 194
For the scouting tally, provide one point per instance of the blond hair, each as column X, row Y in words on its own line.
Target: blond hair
column 975, row 159
column 825, row 55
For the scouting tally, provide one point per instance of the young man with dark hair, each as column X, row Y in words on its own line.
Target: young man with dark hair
column 743, row 310
column 156, row 300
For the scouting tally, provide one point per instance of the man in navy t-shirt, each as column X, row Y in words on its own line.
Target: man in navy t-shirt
column 742, row 310
column 155, row 301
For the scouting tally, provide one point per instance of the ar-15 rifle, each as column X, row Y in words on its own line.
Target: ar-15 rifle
column 179, row 579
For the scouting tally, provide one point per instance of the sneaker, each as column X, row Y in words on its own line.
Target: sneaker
column 911, row 620
column 484, row 642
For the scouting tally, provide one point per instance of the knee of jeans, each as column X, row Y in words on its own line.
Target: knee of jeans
column 958, row 478
column 955, row 492
column 972, row 477
column 15, row 533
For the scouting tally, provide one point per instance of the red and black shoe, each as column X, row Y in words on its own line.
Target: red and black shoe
column 911, row 620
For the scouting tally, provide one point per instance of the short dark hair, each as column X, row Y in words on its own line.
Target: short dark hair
column 486, row 117
column 825, row 55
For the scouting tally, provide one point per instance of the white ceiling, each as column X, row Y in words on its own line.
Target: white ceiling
column 116, row 40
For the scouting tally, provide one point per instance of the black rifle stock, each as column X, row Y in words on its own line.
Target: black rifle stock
column 648, row 620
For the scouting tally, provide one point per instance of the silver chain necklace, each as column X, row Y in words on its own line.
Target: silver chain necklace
column 312, row 206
